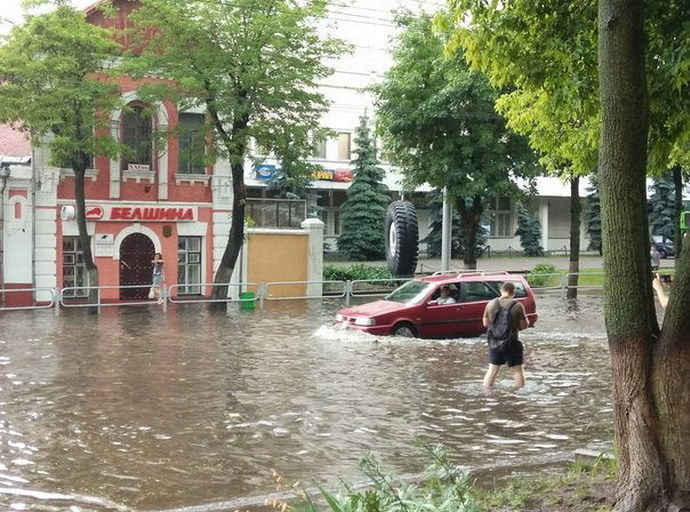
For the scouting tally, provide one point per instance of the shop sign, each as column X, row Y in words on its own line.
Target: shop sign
column 104, row 245
column 341, row 175
column 269, row 171
column 137, row 213
column 265, row 171
column 138, row 167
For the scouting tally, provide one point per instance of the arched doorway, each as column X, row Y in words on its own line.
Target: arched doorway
column 136, row 254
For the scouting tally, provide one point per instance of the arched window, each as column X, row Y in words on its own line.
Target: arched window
column 136, row 135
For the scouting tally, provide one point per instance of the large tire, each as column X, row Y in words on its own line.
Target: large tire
column 402, row 239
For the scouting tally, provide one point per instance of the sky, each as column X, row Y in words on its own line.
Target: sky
column 12, row 10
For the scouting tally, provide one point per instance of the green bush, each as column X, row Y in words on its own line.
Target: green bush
column 358, row 271
column 446, row 488
column 538, row 275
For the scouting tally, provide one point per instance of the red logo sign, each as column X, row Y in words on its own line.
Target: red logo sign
column 140, row 213
column 345, row 175
column 125, row 213
column 94, row 213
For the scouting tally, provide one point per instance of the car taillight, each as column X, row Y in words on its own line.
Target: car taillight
column 365, row 321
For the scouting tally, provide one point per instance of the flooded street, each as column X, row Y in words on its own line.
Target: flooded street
column 151, row 410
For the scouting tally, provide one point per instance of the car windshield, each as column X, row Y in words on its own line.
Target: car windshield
column 412, row 292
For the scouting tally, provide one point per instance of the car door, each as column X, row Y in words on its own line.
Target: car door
column 440, row 320
column 474, row 296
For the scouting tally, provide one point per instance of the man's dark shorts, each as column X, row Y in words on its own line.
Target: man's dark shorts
column 510, row 355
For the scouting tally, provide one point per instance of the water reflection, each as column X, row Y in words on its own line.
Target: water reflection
column 152, row 410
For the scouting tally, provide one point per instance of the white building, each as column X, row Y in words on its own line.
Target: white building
column 369, row 27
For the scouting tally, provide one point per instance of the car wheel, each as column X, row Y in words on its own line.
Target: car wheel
column 662, row 254
column 404, row 330
column 402, row 239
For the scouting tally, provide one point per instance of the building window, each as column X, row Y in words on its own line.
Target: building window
column 189, row 265
column 137, row 137
column 319, row 147
column 74, row 274
column 67, row 164
column 344, row 146
column 501, row 218
column 192, row 144
column 277, row 213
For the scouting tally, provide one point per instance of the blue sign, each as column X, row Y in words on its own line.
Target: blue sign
column 265, row 171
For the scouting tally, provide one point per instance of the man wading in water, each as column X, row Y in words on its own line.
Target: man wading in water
column 504, row 317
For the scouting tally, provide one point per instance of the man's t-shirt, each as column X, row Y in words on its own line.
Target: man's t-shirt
column 517, row 313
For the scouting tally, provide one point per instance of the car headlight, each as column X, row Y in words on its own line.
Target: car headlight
column 339, row 317
column 365, row 321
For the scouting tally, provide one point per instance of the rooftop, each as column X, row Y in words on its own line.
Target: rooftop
column 13, row 142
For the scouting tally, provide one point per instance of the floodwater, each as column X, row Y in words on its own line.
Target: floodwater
column 138, row 409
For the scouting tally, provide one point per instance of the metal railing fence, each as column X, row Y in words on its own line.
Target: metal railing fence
column 236, row 292
column 247, row 292
column 36, row 302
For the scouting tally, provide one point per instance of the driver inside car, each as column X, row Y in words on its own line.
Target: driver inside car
column 445, row 297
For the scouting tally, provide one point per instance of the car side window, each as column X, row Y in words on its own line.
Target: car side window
column 473, row 291
column 520, row 291
column 454, row 292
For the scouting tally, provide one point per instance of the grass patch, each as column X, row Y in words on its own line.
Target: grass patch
column 587, row 486
column 357, row 271
column 547, row 276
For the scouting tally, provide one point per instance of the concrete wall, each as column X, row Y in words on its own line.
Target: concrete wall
column 274, row 255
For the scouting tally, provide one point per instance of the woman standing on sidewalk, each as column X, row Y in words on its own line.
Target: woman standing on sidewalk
column 157, row 278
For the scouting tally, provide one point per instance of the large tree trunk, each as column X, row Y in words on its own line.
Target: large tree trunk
column 235, row 238
column 575, row 214
column 236, row 144
column 678, row 203
column 84, row 242
column 628, row 301
column 672, row 381
column 471, row 220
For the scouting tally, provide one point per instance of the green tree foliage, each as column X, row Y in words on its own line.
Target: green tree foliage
column 294, row 176
column 53, row 87
column 662, row 210
column 440, row 127
column 364, row 212
column 253, row 65
column 546, row 57
column 593, row 216
column 529, row 231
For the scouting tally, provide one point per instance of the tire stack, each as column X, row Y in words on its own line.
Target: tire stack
column 402, row 239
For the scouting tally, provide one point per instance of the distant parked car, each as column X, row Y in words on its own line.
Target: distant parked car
column 412, row 310
column 665, row 249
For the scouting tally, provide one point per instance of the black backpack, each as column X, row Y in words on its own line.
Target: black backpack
column 501, row 331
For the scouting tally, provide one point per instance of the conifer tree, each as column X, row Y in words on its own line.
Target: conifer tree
column 662, row 213
column 594, row 216
column 529, row 231
column 364, row 211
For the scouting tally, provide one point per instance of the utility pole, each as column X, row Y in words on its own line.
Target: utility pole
column 446, row 233
column 4, row 176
